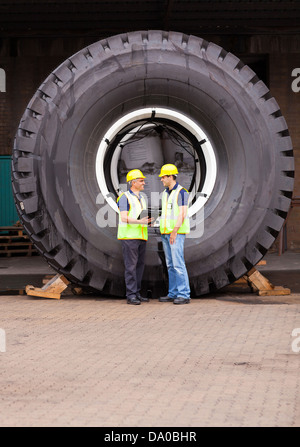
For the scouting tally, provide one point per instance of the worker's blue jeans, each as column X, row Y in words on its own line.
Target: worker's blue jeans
column 178, row 277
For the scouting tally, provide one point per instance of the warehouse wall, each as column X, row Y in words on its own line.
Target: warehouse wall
column 281, row 67
column 28, row 61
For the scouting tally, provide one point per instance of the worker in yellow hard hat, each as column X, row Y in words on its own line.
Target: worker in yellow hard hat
column 134, row 174
column 133, row 232
column 167, row 170
column 174, row 225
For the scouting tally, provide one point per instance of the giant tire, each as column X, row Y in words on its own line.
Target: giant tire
column 53, row 169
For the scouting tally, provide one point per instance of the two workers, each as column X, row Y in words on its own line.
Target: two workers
column 133, row 233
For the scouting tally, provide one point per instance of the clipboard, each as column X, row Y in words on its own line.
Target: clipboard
column 144, row 213
column 153, row 214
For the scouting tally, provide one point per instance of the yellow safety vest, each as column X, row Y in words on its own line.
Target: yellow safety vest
column 170, row 212
column 133, row 231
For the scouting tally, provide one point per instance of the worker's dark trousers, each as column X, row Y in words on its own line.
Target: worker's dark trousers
column 134, row 259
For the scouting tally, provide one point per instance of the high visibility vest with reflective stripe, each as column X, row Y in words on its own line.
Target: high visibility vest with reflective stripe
column 170, row 213
column 133, row 231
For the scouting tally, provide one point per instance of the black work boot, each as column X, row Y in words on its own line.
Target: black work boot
column 181, row 300
column 133, row 300
column 142, row 298
column 165, row 299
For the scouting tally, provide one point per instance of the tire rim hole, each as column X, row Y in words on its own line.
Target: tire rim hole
column 148, row 138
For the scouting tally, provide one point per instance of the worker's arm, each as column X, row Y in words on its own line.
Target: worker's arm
column 179, row 222
column 130, row 220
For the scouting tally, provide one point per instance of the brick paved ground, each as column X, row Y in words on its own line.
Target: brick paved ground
column 223, row 361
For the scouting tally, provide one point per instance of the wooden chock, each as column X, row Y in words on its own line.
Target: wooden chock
column 262, row 286
column 52, row 289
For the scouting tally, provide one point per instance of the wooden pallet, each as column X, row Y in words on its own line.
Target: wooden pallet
column 52, row 289
column 14, row 240
column 260, row 285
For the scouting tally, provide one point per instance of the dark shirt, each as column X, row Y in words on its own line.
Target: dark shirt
column 183, row 196
column 123, row 203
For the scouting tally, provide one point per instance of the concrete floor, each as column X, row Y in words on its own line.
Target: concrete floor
column 230, row 359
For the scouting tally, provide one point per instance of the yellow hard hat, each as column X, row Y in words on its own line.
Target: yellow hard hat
column 168, row 170
column 134, row 174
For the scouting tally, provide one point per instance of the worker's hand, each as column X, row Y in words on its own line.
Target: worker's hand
column 145, row 220
column 173, row 237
